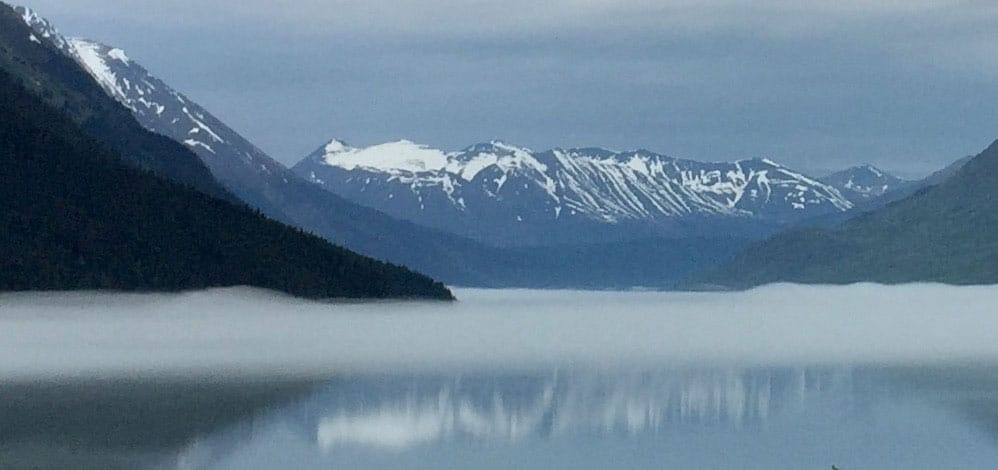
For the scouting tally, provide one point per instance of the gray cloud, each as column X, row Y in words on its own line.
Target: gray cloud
column 903, row 84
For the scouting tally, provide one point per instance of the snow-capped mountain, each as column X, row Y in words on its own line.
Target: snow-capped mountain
column 495, row 191
column 258, row 180
column 157, row 106
column 864, row 182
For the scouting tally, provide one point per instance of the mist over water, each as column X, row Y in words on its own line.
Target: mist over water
column 250, row 332
column 784, row 376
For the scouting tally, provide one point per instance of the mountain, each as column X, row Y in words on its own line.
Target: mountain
column 891, row 189
column 943, row 233
column 510, row 196
column 258, row 180
column 912, row 187
column 235, row 162
column 63, row 85
column 864, row 182
column 74, row 215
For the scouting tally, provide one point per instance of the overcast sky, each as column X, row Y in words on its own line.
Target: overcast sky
column 909, row 85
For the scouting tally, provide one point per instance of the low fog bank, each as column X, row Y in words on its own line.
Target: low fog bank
column 250, row 332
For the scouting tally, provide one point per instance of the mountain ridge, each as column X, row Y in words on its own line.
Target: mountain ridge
column 63, row 84
column 946, row 232
column 495, row 192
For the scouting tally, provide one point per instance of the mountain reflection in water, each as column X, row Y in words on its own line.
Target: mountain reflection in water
column 699, row 418
column 399, row 412
column 781, row 417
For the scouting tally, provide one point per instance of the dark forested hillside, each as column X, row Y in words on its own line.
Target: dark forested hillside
column 61, row 83
column 73, row 216
column 944, row 233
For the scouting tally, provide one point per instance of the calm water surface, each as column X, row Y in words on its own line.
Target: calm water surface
column 564, row 412
column 853, row 417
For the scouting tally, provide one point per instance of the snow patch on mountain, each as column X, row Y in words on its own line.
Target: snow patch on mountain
column 392, row 157
column 406, row 157
column 93, row 58
column 201, row 126
column 195, row 144
column 119, row 55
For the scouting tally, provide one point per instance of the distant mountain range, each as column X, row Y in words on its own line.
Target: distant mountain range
column 946, row 231
column 508, row 195
column 89, row 199
column 495, row 193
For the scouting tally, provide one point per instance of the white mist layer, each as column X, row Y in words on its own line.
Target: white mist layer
column 245, row 331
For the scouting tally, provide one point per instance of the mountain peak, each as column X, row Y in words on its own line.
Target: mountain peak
column 497, row 147
column 863, row 181
column 106, row 52
column 866, row 168
column 392, row 157
column 872, row 169
column 598, row 153
column 510, row 147
column 29, row 15
column 336, row 146
column 760, row 161
column 42, row 27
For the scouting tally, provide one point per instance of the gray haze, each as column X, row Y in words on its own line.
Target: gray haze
column 241, row 331
column 905, row 84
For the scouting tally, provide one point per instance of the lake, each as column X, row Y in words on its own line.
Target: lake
column 784, row 376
